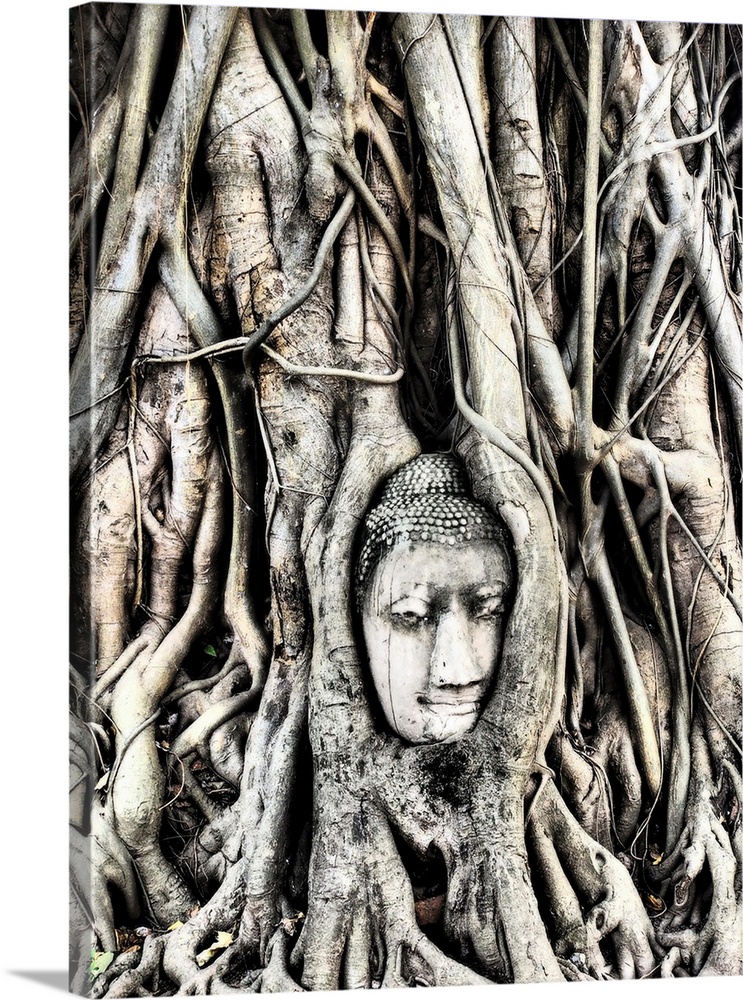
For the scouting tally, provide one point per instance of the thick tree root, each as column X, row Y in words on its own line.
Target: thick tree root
column 276, row 977
column 702, row 869
column 361, row 928
column 590, row 895
column 132, row 974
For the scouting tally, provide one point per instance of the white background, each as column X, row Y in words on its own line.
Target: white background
column 33, row 460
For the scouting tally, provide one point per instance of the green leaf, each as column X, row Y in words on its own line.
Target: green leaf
column 100, row 961
column 210, row 650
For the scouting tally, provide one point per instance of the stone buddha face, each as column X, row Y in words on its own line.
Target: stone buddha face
column 433, row 601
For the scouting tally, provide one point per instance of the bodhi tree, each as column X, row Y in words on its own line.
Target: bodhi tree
column 342, row 716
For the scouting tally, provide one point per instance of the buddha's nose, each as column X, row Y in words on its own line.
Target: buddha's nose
column 454, row 662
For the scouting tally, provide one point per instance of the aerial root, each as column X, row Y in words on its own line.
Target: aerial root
column 704, row 923
column 566, row 917
column 583, row 784
column 136, row 703
column 589, row 873
column 714, row 947
column 145, row 641
column 195, row 738
column 276, row 977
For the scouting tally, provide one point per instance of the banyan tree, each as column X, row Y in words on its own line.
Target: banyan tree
column 405, row 472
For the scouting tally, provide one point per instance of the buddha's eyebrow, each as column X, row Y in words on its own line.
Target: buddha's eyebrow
column 493, row 588
column 419, row 591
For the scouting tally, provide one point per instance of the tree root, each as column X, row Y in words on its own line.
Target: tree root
column 706, row 943
column 222, row 912
column 136, row 697
column 221, row 741
column 580, row 871
column 132, row 974
column 276, row 977
column 601, row 780
column 100, row 357
column 361, row 928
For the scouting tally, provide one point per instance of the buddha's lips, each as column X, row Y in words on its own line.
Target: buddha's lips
column 454, row 706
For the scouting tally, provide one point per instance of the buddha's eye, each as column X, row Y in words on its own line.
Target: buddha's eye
column 410, row 615
column 409, row 619
column 489, row 609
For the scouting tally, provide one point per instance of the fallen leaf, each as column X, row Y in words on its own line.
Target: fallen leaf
column 224, row 940
column 176, row 926
column 289, row 924
column 127, row 939
column 100, row 961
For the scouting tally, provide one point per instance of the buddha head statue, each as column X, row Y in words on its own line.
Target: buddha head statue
column 433, row 581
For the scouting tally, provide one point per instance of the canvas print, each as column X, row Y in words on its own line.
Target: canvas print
column 405, row 466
